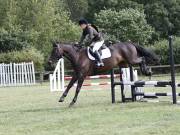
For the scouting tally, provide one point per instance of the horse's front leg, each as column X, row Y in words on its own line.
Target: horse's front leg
column 73, row 80
column 79, row 85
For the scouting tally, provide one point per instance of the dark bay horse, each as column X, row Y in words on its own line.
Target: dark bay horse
column 123, row 54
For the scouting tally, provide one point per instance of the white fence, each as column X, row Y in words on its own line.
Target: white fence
column 17, row 74
column 57, row 78
column 126, row 78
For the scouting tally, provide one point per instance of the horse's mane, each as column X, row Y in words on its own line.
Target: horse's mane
column 75, row 46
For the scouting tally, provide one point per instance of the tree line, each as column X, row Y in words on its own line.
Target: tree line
column 33, row 24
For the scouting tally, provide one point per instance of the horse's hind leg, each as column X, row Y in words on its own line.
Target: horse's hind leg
column 135, row 60
column 142, row 63
column 73, row 80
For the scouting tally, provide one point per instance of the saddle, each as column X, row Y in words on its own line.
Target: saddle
column 104, row 52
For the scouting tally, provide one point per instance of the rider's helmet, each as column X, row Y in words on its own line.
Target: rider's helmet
column 83, row 21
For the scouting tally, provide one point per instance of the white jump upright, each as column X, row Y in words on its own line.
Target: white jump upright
column 57, row 78
column 126, row 75
column 17, row 74
column 126, row 78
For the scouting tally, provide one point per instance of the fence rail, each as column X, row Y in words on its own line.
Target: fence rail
column 17, row 74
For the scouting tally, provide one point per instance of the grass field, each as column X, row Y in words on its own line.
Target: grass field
column 35, row 111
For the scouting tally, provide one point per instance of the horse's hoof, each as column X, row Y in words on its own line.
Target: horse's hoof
column 71, row 104
column 61, row 100
column 149, row 73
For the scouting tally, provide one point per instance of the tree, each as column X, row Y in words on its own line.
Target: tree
column 124, row 25
column 35, row 22
column 163, row 15
column 77, row 8
column 3, row 5
column 96, row 6
column 11, row 34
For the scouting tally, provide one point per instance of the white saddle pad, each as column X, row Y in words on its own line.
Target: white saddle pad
column 106, row 53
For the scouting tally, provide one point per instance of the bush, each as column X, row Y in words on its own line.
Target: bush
column 161, row 48
column 124, row 25
column 10, row 41
column 25, row 55
column 35, row 23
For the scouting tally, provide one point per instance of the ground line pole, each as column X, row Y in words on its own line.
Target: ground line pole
column 173, row 82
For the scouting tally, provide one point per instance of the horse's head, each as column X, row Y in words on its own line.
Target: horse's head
column 56, row 53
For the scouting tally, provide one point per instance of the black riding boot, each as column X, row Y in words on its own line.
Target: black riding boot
column 98, row 59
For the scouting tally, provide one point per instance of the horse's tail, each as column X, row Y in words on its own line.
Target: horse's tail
column 149, row 55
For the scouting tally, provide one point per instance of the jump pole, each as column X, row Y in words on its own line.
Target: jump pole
column 132, row 87
column 173, row 81
column 122, row 86
column 112, row 86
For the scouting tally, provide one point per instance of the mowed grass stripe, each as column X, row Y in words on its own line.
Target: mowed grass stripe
column 35, row 110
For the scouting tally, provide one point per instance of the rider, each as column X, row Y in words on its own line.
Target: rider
column 92, row 37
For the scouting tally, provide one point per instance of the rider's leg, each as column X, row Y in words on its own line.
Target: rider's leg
column 98, row 59
column 91, row 50
column 96, row 47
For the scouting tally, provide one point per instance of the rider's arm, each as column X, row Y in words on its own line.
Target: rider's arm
column 81, row 39
column 91, row 34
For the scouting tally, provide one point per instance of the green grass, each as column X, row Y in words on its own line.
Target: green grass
column 35, row 111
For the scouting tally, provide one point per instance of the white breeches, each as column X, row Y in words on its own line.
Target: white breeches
column 97, row 45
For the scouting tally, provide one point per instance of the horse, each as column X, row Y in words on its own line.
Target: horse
column 122, row 55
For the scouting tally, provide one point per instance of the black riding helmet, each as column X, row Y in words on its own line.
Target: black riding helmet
column 83, row 21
